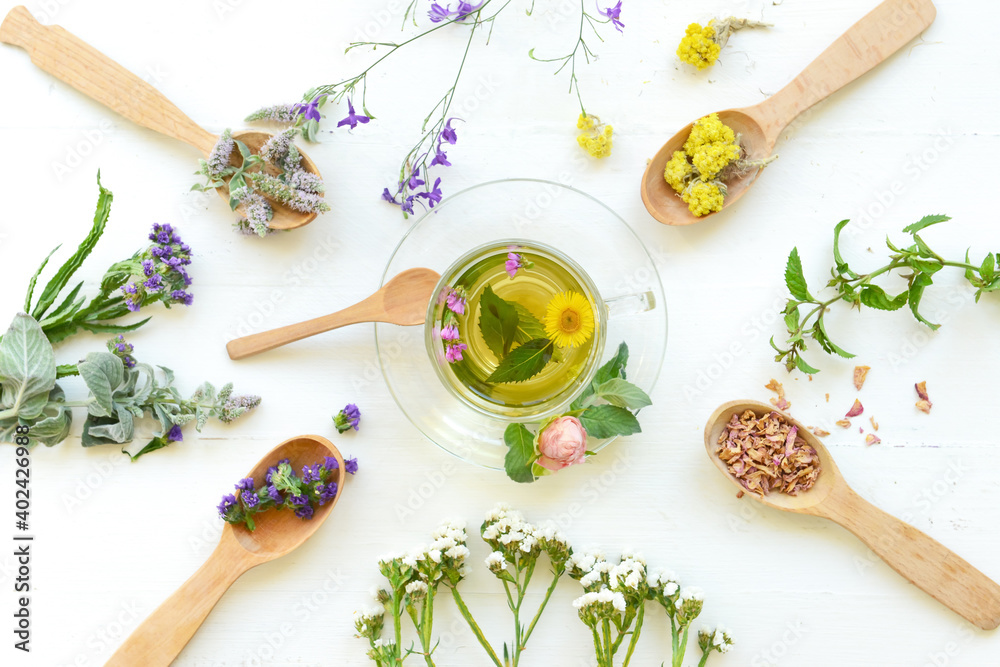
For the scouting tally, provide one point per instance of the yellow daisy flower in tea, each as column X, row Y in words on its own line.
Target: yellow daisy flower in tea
column 569, row 319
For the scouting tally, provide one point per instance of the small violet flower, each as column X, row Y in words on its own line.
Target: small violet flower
column 448, row 133
column 123, row 350
column 351, row 466
column 456, row 303
column 450, row 332
column 454, row 352
column 613, row 14
column 515, row 261
column 347, row 418
column 174, row 434
column 353, row 118
column 434, row 196
column 441, row 158
column 310, row 110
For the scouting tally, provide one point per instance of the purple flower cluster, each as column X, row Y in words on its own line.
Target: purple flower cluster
column 282, row 488
column 159, row 273
column 455, row 302
column 515, row 261
column 406, row 192
column 347, row 418
column 438, row 13
column 123, row 350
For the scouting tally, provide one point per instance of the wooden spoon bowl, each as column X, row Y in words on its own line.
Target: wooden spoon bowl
column 881, row 32
column 923, row 561
column 73, row 61
column 162, row 636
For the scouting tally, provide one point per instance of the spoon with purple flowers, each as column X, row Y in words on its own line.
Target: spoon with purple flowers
column 73, row 61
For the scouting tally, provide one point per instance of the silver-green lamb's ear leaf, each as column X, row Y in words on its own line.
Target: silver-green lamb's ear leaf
column 27, row 367
column 103, row 372
column 56, row 420
column 119, row 429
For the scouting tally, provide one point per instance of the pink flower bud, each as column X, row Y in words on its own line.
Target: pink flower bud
column 563, row 443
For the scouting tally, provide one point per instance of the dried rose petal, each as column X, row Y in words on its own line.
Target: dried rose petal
column 874, row 423
column 860, row 373
column 828, row 398
column 856, row 409
column 818, row 432
column 781, row 403
column 844, row 423
column 924, row 404
column 767, row 454
column 872, row 439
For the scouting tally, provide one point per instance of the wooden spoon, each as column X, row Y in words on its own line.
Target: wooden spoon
column 163, row 635
column 403, row 300
column 921, row 560
column 866, row 44
column 73, row 61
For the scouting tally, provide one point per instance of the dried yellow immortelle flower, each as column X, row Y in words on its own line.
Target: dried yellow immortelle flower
column 595, row 137
column 701, row 46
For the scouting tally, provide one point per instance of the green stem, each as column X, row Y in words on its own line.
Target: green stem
column 397, row 625
column 635, row 633
column 427, row 624
column 674, row 641
column 704, row 657
column 476, row 630
column 679, row 654
column 606, row 631
column 598, row 650
column 541, row 608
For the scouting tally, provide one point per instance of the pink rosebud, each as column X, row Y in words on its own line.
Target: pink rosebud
column 454, row 352
column 563, row 443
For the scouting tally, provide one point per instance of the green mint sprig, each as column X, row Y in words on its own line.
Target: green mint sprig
column 804, row 313
column 606, row 408
column 506, row 323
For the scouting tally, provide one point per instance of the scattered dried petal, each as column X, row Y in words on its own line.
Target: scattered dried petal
column 844, row 423
column 860, row 430
column 856, row 409
column 828, row 398
column 874, row 423
column 767, row 454
column 780, row 402
column 739, row 494
column 924, row 404
column 860, row 373
column 872, row 439
column 818, row 432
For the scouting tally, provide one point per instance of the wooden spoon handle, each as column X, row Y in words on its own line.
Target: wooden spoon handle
column 73, row 61
column 923, row 561
column 165, row 633
column 878, row 35
column 368, row 310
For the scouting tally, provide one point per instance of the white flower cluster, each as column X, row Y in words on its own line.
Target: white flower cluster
column 496, row 562
column 417, row 589
column 688, row 605
column 507, row 532
column 602, row 598
column 368, row 622
column 720, row 639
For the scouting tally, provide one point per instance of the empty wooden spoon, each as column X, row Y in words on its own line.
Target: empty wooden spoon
column 866, row 44
column 163, row 635
column 921, row 560
column 73, row 61
column 403, row 300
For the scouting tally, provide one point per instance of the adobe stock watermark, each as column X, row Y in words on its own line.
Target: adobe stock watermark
column 920, row 506
column 956, row 298
column 947, row 655
column 87, row 485
column 108, row 636
column 773, row 654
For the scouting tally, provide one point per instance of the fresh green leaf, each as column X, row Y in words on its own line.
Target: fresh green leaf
column 917, row 286
column 874, row 296
column 612, row 368
column 103, row 372
column 34, row 279
column 66, row 271
column 794, row 279
column 523, row 362
column 607, row 421
column 622, row 393
column 151, row 446
column 828, row 345
column 924, row 222
column 68, row 306
column 801, row 364
column 520, row 453
column 498, row 322
column 929, row 268
column 528, row 326
column 97, row 327
column 27, row 368
column 988, row 269
column 842, row 267
column 925, row 250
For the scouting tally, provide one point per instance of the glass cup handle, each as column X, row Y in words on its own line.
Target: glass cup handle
column 630, row 304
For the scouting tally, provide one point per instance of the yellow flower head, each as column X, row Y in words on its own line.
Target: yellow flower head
column 595, row 137
column 699, row 46
column 678, row 171
column 708, row 130
column 712, row 158
column 703, row 198
column 569, row 319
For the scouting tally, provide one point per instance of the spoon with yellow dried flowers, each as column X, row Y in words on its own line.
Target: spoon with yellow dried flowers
column 710, row 163
column 781, row 464
column 275, row 533
column 76, row 63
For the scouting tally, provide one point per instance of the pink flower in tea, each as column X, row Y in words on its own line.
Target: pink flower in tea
column 454, row 352
column 514, row 262
column 456, row 303
column 562, row 443
column 450, row 332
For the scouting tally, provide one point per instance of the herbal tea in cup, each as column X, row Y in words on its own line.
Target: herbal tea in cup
column 515, row 329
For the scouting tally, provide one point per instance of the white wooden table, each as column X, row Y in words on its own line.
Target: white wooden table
column 915, row 136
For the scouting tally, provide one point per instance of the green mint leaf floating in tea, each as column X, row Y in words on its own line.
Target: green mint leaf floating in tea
column 524, row 362
column 622, row 393
column 498, row 320
column 529, row 327
column 520, row 453
column 916, row 263
column 607, row 421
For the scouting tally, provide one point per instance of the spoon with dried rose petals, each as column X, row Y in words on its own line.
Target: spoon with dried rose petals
column 73, row 61
column 878, row 35
column 166, row 631
column 403, row 301
column 923, row 561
